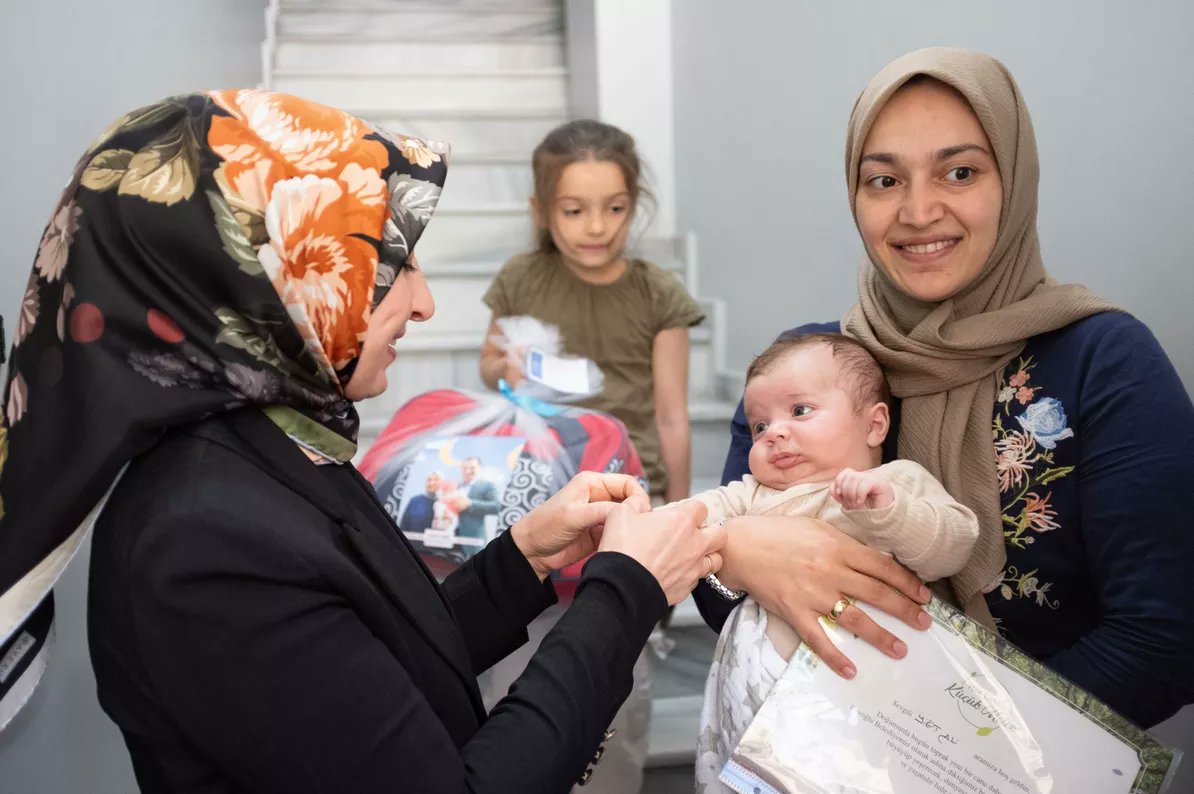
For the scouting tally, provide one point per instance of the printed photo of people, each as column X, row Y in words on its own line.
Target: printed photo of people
column 453, row 493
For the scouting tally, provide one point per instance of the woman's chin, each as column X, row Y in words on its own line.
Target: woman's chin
column 380, row 384
column 932, row 284
column 929, row 287
column 358, row 390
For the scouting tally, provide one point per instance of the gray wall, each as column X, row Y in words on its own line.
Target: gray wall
column 763, row 92
column 66, row 70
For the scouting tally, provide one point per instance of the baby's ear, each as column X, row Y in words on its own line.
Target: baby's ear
column 879, row 422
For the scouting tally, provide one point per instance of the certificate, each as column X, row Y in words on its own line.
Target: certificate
column 964, row 712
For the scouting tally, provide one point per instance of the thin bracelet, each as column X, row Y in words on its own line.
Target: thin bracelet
column 718, row 586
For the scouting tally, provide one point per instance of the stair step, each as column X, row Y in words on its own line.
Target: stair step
column 481, row 131
column 377, row 21
column 529, row 89
column 465, row 330
column 490, row 158
column 672, row 736
column 711, row 411
column 493, row 233
column 350, row 55
column 467, row 114
column 476, row 181
column 487, row 269
column 497, row 6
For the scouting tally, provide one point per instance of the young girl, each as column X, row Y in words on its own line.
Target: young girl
column 628, row 316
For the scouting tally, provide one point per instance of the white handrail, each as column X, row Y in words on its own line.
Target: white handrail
column 269, row 45
column 727, row 382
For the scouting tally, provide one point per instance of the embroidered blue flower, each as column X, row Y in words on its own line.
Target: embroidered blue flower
column 1046, row 421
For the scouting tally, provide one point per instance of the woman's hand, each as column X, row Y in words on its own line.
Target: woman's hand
column 799, row 568
column 567, row 527
column 669, row 543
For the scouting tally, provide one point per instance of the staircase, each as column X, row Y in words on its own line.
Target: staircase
column 491, row 80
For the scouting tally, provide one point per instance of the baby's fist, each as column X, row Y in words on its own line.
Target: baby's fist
column 862, row 490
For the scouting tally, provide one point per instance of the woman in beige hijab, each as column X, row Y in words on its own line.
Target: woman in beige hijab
column 1055, row 417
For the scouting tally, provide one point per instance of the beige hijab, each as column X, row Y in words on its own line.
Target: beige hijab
column 943, row 360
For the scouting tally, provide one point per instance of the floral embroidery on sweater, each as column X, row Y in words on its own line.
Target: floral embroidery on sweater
column 1026, row 430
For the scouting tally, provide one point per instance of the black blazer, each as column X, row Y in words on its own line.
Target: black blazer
column 258, row 624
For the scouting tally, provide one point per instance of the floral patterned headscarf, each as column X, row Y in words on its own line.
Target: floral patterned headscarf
column 210, row 251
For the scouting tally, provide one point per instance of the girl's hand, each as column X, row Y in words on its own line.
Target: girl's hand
column 859, row 490
column 515, row 361
column 799, row 568
column 567, row 527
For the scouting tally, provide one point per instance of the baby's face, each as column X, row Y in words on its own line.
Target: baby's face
column 805, row 425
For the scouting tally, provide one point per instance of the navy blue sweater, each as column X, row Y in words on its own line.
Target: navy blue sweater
column 1094, row 437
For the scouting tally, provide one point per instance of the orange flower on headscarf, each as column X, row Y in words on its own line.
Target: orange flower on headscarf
column 273, row 136
column 316, row 179
column 323, row 274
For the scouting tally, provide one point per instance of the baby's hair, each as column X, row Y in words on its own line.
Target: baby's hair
column 857, row 367
column 583, row 140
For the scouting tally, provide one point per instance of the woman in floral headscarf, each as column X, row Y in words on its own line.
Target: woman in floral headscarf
column 225, row 274
column 1056, row 418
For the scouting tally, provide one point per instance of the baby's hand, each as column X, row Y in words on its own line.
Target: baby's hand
column 858, row 490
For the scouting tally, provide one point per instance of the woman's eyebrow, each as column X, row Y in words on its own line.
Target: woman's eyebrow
column 941, row 154
column 951, row 151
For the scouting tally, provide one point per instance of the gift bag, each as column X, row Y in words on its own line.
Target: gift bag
column 454, row 468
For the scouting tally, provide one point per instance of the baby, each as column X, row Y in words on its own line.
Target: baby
column 817, row 407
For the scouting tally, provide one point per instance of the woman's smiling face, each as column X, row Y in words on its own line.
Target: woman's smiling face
column 929, row 193
column 408, row 300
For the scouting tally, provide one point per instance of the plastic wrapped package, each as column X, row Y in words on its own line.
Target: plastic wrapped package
column 454, row 468
column 524, row 458
column 964, row 711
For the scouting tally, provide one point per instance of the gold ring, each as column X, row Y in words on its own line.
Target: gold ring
column 841, row 606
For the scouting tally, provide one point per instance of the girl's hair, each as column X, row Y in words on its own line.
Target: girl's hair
column 583, row 140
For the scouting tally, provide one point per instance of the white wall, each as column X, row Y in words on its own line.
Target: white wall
column 763, row 90
column 67, row 69
column 620, row 62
